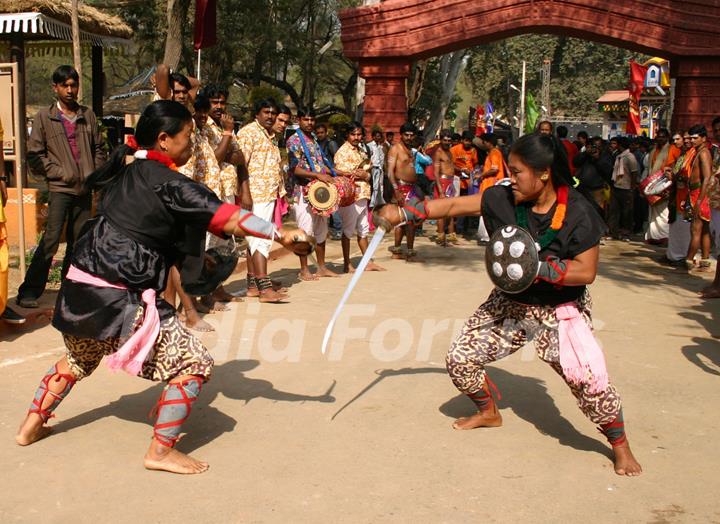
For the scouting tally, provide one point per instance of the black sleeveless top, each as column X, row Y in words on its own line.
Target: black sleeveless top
column 582, row 230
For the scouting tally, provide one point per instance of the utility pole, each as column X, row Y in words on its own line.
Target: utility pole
column 545, row 94
column 77, row 58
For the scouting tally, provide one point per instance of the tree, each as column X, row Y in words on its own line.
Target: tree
column 581, row 71
column 434, row 89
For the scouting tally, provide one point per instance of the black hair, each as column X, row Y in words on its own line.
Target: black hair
column 284, row 110
column 622, row 141
column 389, row 133
column 305, row 111
column 544, row 152
column 716, row 121
column 352, row 126
column 489, row 137
column 64, row 73
column 265, row 103
column 408, row 127
column 467, row 135
column 583, row 134
column 539, row 124
column 177, row 78
column 562, row 131
column 698, row 129
column 215, row 91
column 162, row 116
column 456, row 136
column 446, row 133
column 202, row 103
column 321, row 126
column 664, row 131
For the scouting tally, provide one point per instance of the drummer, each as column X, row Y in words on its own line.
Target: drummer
column 351, row 160
column 568, row 231
column 308, row 163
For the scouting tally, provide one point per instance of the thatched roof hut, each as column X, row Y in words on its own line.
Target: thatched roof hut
column 45, row 19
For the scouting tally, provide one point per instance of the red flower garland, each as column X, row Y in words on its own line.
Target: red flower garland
column 150, row 154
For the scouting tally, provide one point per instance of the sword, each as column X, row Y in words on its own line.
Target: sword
column 383, row 227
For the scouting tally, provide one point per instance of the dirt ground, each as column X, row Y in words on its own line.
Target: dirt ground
column 364, row 434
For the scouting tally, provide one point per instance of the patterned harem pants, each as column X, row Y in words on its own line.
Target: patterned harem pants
column 499, row 328
column 176, row 352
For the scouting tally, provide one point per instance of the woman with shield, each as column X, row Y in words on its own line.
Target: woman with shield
column 537, row 218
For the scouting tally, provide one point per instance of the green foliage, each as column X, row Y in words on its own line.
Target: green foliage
column 338, row 121
column 581, row 71
column 262, row 92
column 431, row 95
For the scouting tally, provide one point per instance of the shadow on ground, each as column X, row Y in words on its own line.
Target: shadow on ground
column 206, row 422
column 528, row 398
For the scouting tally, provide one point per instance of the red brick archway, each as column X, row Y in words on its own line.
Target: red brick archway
column 386, row 38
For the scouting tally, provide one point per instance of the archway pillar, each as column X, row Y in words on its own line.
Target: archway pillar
column 385, row 100
column 697, row 90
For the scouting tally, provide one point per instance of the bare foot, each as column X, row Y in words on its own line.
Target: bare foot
column 348, row 268
column 272, row 296
column 213, row 307
column 223, row 296
column 306, row 276
column 625, row 463
column 199, row 324
column 173, row 461
column 32, row 430
column 372, row 266
column 710, row 292
column 481, row 419
column 326, row 272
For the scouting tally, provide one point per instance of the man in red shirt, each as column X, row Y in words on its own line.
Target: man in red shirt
column 570, row 148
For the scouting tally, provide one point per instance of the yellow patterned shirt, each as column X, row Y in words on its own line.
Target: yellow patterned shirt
column 203, row 166
column 228, row 172
column 348, row 159
column 262, row 158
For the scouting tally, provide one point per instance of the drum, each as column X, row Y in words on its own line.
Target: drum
column 656, row 187
column 346, row 190
column 326, row 198
column 511, row 259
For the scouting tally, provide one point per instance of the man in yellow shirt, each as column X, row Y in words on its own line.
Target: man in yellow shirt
column 6, row 313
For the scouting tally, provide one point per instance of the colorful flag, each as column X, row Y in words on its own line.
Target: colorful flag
column 531, row 114
column 489, row 117
column 205, row 23
column 635, row 87
column 479, row 120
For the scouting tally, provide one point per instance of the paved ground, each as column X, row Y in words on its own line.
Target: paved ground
column 364, row 435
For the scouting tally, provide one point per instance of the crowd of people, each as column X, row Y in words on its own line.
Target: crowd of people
column 195, row 182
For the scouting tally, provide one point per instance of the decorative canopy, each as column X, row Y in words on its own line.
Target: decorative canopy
column 44, row 20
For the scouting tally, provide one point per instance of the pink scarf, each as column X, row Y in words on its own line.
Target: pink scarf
column 580, row 356
column 138, row 348
column 281, row 209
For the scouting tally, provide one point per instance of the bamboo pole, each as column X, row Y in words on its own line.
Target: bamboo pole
column 77, row 59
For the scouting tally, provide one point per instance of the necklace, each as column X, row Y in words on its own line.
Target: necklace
column 558, row 218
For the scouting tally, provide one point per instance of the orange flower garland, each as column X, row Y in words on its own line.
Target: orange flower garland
column 558, row 218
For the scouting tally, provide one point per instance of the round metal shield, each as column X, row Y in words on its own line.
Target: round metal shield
column 511, row 259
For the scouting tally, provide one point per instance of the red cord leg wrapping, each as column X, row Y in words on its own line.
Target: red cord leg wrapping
column 173, row 409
